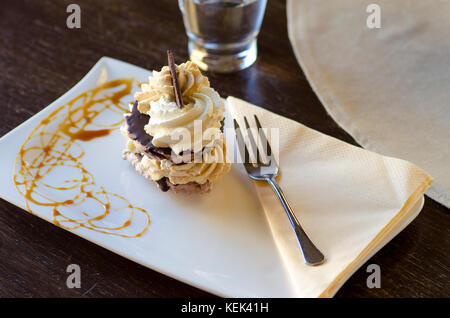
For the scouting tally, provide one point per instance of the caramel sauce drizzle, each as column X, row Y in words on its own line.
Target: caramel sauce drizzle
column 52, row 151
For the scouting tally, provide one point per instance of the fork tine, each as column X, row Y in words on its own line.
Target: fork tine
column 264, row 140
column 253, row 143
column 241, row 142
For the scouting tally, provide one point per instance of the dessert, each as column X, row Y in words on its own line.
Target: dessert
column 174, row 130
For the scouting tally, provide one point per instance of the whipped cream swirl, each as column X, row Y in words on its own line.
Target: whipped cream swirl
column 160, row 85
column 191, row 128
column 213, row 166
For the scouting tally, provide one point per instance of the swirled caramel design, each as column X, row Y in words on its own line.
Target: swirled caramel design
column 49, row 172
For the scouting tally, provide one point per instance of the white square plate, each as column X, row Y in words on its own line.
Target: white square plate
column 219, row 242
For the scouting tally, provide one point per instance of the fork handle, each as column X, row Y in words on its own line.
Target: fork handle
column 310, row 252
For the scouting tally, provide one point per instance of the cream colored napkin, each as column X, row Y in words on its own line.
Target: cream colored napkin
column 349, row 200
column 389, row 87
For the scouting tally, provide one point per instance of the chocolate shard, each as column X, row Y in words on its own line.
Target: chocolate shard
column 175, row 83
column 136, row 122
column 163, row 184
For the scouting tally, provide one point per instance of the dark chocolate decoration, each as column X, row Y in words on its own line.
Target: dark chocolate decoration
column 175, row 83
column 162, row 184
column 136, row 122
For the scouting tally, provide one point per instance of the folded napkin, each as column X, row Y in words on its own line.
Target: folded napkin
column 349, row 200
column 387, row 87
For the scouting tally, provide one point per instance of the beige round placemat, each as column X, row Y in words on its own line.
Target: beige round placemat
column 388, row 87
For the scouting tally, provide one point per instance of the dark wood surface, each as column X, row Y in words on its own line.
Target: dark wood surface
column 40, row 59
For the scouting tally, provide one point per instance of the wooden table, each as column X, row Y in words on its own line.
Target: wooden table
column 40, row 59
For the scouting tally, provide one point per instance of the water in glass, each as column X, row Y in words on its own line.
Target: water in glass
column 222, row 33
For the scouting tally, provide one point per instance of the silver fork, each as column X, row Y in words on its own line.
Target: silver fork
column 258, row 169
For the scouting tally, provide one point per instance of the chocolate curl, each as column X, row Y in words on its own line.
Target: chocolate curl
column 175, row 84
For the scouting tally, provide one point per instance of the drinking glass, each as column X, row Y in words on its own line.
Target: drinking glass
column 222, row 33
